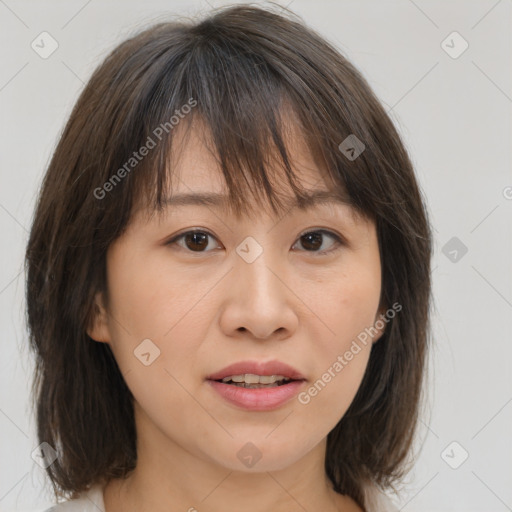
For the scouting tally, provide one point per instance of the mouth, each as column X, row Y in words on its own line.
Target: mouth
column 257, row 386
column 257, row 372
column 252, row 381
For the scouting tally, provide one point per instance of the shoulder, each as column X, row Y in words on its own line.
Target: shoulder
column 375, row 499
column 89, row 501
column 378, row 501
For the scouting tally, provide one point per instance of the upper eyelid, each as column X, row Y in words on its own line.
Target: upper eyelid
column 207, row 231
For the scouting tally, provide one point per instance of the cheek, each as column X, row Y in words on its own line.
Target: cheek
column 341, row 357
column 149, row 298
column 326, row 400
column 154, row 319
column 347, row 302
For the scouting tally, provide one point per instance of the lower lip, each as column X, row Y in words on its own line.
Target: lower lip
column 257, row 399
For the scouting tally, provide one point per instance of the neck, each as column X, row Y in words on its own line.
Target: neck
column 177, row 479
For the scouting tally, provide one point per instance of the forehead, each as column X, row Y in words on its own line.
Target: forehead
column 197, row 176
column 194, row 148
column 196, row 179
column 220, row 201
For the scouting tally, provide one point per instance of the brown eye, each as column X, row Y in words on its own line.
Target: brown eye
column 194, row 241
column 313, row 240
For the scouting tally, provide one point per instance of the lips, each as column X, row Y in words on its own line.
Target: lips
column 261, row 399
column 258, row 368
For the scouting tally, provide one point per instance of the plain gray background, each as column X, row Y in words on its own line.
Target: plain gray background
column 454, row 114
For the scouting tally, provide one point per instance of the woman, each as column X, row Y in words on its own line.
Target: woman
column 228, row 278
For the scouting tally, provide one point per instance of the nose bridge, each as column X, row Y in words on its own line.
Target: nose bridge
column 255, row 259
column 257, row 299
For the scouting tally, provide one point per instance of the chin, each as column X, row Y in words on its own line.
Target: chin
column 260, row 454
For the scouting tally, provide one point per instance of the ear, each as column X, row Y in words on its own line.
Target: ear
column 98, row 329
column 380, row 324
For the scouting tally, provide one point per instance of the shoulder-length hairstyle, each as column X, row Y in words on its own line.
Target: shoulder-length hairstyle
column 235, row 69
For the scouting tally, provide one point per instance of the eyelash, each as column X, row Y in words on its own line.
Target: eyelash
column 338, row 239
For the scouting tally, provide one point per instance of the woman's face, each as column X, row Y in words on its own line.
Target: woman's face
column 249, row 289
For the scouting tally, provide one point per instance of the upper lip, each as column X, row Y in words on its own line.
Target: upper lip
column 258, row 368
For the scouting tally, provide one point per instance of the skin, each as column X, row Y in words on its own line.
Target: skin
column 205, row 310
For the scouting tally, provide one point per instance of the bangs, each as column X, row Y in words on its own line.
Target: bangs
column 256, row 85
column 249, row 105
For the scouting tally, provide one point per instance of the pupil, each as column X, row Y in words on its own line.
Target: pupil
column 317, row 237
column 194, row 238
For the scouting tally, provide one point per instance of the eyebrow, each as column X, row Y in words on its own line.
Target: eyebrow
column 312, row 198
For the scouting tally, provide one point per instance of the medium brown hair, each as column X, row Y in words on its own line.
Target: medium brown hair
column 241, row 65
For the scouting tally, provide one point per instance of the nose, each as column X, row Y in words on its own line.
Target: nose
column 259, row 301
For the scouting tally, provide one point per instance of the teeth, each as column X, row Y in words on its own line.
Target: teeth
column 268, row 379
column 250, row 378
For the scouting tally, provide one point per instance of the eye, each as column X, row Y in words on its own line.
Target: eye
column 197, row 241
column 314, row 239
